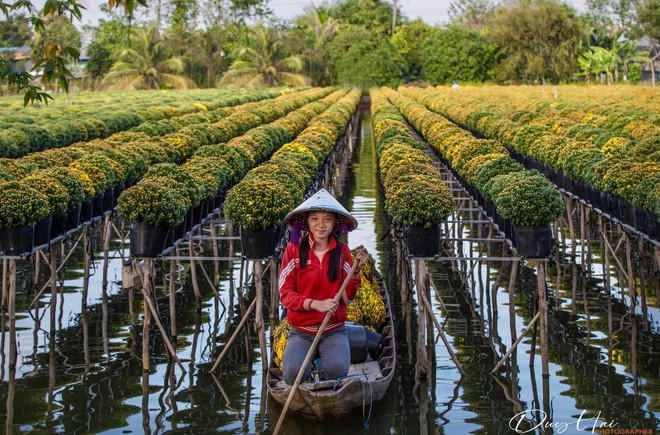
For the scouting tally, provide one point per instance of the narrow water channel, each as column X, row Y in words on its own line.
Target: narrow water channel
column 80, row 368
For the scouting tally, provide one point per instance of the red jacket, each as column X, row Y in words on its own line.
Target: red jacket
column 299, row 287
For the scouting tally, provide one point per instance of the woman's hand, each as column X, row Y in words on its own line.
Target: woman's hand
column 362, row 255
column 324, row 306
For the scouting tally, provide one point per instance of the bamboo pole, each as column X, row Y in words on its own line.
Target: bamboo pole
column 512, row 300
column 274, row 296
column 193, row 276
column 234, row 335
column 312, row 348
column 421, row 368
column 147, row 291
column 443, row 336
column 172, row 300
column 146, row 280
column 259, row 315
column 543, row 322
column 515, row 344
column 11, row 310
column 5, row 283
column 632, row 290
column 571, row 228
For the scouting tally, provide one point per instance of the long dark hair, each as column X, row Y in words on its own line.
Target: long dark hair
column 333, row 269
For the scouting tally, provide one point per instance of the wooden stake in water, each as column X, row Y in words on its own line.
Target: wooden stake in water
column 312, row 348
column 259, row 315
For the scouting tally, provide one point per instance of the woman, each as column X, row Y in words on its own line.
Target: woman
column 313, row 270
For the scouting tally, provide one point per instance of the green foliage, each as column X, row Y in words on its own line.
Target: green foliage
column 56, row 194
column 536, row 40
column 420, row 202
column 409, row 39
column 15, row 31
column 147, row 64
column 528, row 199
column 264, row 62
column 375, row 15
column 155, row 202
column 21, row 205
column 258, row 204
column 363, row 58
column 456, row 54
column 73, row 185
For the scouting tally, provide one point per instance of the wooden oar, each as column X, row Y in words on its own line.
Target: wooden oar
column 337, row 297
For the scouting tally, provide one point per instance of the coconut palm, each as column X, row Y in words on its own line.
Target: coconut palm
column 321, row 27
column 263, row 63
column 147, row 64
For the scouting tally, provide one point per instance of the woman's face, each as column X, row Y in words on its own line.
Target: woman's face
column 321, row 224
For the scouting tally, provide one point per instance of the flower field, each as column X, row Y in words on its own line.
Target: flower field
column 609, row 142
column 38, row 128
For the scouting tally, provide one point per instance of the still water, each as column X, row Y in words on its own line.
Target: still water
column 80, row 370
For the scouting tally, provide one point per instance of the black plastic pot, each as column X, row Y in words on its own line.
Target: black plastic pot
column 533, row 242
column 108, row 200
column 42, row 230
column 148, row 240
column 73, row 218
column 626, row 212
column 59, row 226
column 362, row 341
column 98, row 205
column 16, row 241
column 86, row 211
column 258, row 244
column 422, row 242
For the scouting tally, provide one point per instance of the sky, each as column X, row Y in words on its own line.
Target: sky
column 431, row 11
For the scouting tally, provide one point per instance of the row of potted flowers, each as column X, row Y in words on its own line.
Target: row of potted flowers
column 171, row 200
column 415, row 195
column 260, row 202
column 100, row 169
column 580, row 113
column 21, row 135
column 620, row 178
column 520, row 202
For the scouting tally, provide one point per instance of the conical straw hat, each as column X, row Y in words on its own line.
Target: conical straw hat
column 321, row 201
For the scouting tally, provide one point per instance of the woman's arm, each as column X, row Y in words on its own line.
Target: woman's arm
column 289, row 295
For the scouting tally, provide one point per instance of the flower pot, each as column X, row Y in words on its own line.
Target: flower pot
column 568, row 185
column 189, row 220
column 73, row 218
column 42, row 231
column 593, row 196
column 86, row 210
column 257, row 244
column 179, row 231
column 16, row 241
column 422, row 242
column 148, row 240
column 59, row 226
column 108, row 200
column 533, row 242
column 639, row 216
column 197, row 214
column 118, row 190
column 97, row 205
column 626, row 212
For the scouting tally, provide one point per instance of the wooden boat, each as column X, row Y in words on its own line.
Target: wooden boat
column 366, row 382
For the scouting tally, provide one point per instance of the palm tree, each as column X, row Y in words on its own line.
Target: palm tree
column 263, row 62
column 147, row 65
column 321, row 29
column 628, row 53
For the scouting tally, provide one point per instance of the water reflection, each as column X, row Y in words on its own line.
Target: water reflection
column 79, row 366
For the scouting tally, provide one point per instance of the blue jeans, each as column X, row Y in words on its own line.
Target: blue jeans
column 333, row 349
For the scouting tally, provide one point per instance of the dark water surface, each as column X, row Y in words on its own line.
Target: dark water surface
column 80, row 370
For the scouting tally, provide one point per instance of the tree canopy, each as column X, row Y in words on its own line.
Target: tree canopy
column 456, row 54
column 360, row 57
column 537, row 40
